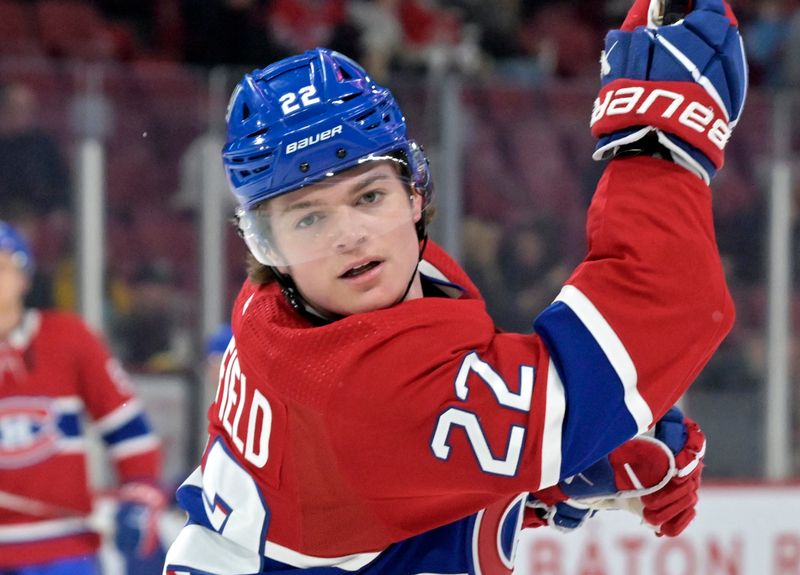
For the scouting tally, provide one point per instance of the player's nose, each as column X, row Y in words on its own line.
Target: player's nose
column 349, row 230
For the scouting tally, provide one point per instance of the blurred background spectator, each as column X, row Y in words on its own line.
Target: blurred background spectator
column 36, row 184
column 35, row 176
column 150, row 335
column 549, row 38
column 531, row 269
column 216, row 344
column 227, row 32
column 379, row 34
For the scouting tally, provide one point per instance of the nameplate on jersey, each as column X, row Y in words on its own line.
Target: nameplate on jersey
column 253, row 424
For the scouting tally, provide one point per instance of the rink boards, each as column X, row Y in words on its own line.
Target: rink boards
column 739, row 530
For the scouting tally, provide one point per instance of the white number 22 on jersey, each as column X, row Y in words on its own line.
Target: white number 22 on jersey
column 467, row 420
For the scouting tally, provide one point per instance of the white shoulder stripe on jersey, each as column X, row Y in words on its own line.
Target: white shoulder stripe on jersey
column 71, row 445
column 614, row 350
column 134, row 446
column 553, row 428
column 119, row 417
column 68, row 404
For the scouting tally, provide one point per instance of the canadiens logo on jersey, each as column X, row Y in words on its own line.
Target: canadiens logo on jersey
column 29, row 431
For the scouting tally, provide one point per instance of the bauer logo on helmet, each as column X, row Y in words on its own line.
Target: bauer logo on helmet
column 311, row 140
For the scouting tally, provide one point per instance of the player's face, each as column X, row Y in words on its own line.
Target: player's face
column 13, row 282
column 350, row 243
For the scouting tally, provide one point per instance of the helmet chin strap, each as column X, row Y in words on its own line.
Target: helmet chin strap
column 321, row 317
column 422, row 247
column 298, row 302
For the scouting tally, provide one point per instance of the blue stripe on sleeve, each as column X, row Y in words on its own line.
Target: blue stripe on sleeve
column 135, row 427
column 597, row 419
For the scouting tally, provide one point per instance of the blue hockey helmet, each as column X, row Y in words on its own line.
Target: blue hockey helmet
column 11, row 241
column 308, row 117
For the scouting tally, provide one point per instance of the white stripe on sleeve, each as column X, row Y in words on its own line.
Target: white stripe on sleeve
column 614, row 350
column 553, row 428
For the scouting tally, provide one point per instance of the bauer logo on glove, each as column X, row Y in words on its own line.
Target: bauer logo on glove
column 656, row 106
column 686, row 82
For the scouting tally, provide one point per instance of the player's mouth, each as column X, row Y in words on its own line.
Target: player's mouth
column 361, row 269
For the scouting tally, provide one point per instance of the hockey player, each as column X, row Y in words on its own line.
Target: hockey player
column 54, row 372
column 369, row 417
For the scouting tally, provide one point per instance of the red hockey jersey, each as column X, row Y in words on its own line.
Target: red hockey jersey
column 54, row 373
column 330, row 443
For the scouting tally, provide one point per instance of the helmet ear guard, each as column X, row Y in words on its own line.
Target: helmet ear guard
column 420, row 173
column 421, row 181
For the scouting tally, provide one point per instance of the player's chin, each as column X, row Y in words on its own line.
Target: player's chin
column 357, row 301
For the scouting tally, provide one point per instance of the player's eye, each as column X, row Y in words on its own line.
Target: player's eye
column 371, row 197
column 309, row 220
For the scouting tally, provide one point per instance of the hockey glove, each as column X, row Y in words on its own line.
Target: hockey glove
column 671, row 509
column 138, row 511
column 639, row 467
column 685, row 82
column 666, row 504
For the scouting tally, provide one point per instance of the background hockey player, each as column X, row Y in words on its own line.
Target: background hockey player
column 54, row 372
column 369, row 417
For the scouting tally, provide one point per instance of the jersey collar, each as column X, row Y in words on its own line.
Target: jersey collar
column 432, row 274
column 22, row 335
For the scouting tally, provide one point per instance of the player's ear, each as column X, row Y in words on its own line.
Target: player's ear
column 416, row 205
